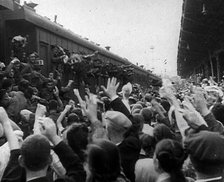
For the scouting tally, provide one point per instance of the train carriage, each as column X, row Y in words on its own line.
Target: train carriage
column 43, row 34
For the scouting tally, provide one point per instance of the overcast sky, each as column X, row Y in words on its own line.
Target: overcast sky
column 143, row 31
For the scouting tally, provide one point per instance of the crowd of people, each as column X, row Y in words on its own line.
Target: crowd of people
column 167, row 135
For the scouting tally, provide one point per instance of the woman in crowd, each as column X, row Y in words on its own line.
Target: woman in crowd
column 103, row 162
column 169, row 157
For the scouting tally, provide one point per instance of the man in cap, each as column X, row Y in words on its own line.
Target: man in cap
column 206, row 150
column 119, row 125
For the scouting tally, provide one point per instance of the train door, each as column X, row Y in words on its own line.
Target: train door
column 45, row 57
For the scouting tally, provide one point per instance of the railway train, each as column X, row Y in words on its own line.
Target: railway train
column 42, row 34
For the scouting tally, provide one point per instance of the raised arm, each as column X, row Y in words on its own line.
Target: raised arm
column 61, row 117
column 98, row 131
column 116, row 103
column 13, row 171
column 70, row 161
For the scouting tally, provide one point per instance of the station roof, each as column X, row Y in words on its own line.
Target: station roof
column 202, row 27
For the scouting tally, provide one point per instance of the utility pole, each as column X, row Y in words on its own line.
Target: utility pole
column 152, row 57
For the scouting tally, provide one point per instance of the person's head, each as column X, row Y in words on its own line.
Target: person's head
column 16, row 64
column 135, row 111
column 35, row 91
column 132, row 100
column 148, row 144
column 11, row 73
column 23, row 85
column 117, row 124
column 136, row 107
column 218, row 112
column 7, row 84
column 51, row 75
column 147, row 115
column 206, row 152
column 138, row 121
column 126, row 90
column 148, row 97
column 77, row 111
column 77, row 138
column 73, row 118
column 50, row 85
column 161, row 131
column 169, row 157
column 35, row 153
column 2, row 66
column 52, row 105
column 5, row 99
column 103, row 161
column 32, row 57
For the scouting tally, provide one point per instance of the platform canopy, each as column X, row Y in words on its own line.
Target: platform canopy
column 201, row 34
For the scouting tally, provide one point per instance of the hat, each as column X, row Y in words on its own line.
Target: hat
column 117, row 120
column 132, row 98
column 206, row 147
column 15, row 61
column 34, row 54
column 137, row 106
column 2, row 65
column 26, row 114
column 214, row 89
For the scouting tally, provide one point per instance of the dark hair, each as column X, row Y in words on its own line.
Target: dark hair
column 171, row 157
column 72, row 118
column 6, row 83
column 218, row 111
column 148, row 97
column 165, row 104
column 52, row 105
column 104, row 161
column 148, row 144
column 161, row 131
column 77, row 111
column 23, row 85
column 147, row 115
column 2, row 94
column 77, row 137
column 206, row 167
column 35, row 152
column 138, row 121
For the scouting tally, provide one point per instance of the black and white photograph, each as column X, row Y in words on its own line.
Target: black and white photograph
column 112, row 90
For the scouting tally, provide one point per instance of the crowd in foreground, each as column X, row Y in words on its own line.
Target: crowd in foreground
column 164, row 136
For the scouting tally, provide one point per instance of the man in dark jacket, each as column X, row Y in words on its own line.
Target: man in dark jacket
column 119, row 122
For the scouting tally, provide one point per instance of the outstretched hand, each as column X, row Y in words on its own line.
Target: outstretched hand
column 91, row 107
column 111, row 90
column 193, row 118
column 56, row 91
column 48, row 129
column 81, row 102
column 200, row 104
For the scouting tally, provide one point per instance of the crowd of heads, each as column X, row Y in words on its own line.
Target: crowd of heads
column 119, row 133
